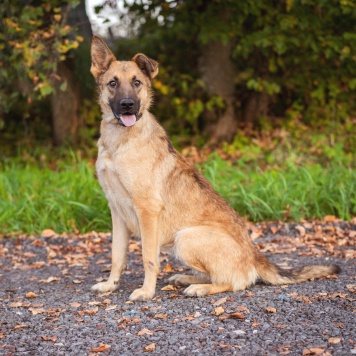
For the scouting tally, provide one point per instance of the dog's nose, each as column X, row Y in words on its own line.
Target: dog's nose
column 127, row 104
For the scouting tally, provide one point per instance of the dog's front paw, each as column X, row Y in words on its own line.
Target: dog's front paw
column 141, row 294
column 104, row 287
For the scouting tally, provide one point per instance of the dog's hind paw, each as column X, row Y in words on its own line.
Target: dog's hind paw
column 197, row 290
column 103, row 287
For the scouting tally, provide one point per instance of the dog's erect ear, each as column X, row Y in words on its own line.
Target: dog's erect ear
column 147, row 65
column 101, row 57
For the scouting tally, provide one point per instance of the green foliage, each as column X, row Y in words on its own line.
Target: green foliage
column 301, row 53
column 35, row 36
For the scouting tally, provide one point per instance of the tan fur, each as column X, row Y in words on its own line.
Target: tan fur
column 154, row 193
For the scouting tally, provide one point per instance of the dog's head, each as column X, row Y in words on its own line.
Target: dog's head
column 124, row 86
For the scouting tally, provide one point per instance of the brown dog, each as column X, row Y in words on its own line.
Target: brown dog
column 154, row 193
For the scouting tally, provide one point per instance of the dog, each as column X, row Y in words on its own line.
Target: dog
column 154, row 193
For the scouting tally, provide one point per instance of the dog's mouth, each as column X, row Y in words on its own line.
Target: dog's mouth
column 126, row 119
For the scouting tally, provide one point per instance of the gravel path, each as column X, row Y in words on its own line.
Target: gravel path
column 47, row 308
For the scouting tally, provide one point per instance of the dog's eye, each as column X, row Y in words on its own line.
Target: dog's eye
column 137, row 83
column 112, row 83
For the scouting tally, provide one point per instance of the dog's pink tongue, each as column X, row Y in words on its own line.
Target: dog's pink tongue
column 128, row 120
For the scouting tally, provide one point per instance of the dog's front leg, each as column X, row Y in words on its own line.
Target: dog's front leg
column 150, row 254
column 120, row 242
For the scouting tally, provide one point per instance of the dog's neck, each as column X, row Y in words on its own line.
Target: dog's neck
column 114, row 135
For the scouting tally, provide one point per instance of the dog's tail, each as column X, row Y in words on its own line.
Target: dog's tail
column 273, row 274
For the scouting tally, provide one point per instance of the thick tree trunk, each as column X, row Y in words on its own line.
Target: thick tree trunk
column 65, row 103
column 218, row 72
column 256, row 108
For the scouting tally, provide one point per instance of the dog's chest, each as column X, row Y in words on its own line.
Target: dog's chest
column 113, row 179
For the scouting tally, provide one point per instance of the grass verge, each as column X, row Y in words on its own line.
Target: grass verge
column 69, row 198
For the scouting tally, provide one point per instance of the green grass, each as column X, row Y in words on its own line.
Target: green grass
column 289, row 193
column 68, row 198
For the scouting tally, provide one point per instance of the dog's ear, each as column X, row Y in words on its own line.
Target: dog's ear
column 147, row 65
column 101, row 57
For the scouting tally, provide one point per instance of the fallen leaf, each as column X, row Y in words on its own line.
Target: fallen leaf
column 301, row 230
column 218, row 311
column 313, row 351
column 169, row 287
column 150, row 347
column 30, row 295
column 111, row 307
column 15, row 304
column 242, row 308
column 77, row 281
column 49, row 280
column 334, row 340
column 38, row 264
column 160, row 316
column 220, row 301
column 20, row 326
column 94, row 303
column 35, row 311
column 1, row 335
column 48, row 233
column 271, row 310
column 237, row 315
column 145, row 332
column 168, row 268
column 46, row 338
column 100, row 348
column 75, row 304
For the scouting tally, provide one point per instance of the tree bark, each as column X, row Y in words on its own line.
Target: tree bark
column 256, row 108
column 218, row 72
column 65, row 103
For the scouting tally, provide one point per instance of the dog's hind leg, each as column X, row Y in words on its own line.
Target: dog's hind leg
column 226, row 261
column 184, row 279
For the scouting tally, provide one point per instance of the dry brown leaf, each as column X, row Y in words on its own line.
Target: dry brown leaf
column 150, row 347
column 145, row 332
column 38, row 264
column 169, row 287
column 220, row 301
column 1, row 335
column 77, row 281
column 48, row 233
column 49, row 280
column 218, row 311
column 46, row 338
column 100, row 348
column 20, row 326
column 168, row 268
column 242, row 308
column 160, row 316
column 111, row 307
column 75, row 304
column 313, row 351
column 30, row 295
column 334, row 340
column 271, row 310
column 301, row 230
column 15, row 304
column 35, row 311
column 330, row 218
column 94, row 303
column 237, row 315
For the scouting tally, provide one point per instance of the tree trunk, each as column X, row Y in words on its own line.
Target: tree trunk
column 65, row 103
column 256, row 108
column 218, row 72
